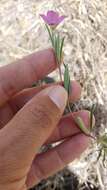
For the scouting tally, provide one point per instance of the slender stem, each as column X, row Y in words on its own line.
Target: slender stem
column 51, row 35
column 69, row 108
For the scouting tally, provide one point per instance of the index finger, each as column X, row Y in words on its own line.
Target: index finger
column 20, row 75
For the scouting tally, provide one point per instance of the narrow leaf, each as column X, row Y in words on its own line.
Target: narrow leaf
column 57, row 47
column 58, row 42
column 91, row 116
column 66, row 78
column 61, row 47
column 54, row 40
column 82, row 126
column 50, row 34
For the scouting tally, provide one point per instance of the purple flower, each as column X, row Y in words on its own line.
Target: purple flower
column 52, row 18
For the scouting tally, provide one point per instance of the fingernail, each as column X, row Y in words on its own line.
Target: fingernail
column 59, row 96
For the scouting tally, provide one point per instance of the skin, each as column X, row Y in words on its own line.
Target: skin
column 32, row 117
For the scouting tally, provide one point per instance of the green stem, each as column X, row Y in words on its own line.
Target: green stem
column 69, row 108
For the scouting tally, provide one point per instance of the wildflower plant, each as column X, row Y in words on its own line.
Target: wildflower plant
column 52, row 19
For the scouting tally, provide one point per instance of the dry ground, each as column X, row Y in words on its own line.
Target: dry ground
column 85, row 28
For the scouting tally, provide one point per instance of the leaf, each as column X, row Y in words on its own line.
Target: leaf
column 82, row 126
column 54, row 40
column 103, row 140
column 57, row 47
column 91, row 116
column 50, row 34
column 61, row 47
column 55, row 44
column 66, row 79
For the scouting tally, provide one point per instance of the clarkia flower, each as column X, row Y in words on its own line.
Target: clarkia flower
column 52, row 18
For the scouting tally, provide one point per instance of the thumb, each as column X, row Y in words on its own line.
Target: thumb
column 22, row 137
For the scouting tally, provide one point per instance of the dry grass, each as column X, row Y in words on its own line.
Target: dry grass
column 85, row 28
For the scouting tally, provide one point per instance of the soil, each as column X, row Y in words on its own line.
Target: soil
column 65, row 180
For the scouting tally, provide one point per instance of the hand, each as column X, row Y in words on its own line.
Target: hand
column 32, row 117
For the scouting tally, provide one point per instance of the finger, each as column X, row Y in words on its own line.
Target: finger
column 48, row 163
column 20, row 99
column 67, row 126
column 28, row 130
column 20, row 75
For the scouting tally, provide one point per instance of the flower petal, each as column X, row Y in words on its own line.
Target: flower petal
column 61, row 18
column 53, row 17
column 45, row 18
column 52, row 14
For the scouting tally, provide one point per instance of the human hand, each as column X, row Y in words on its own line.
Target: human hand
column 32, row 117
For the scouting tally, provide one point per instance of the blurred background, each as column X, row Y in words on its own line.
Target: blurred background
column 22, row 32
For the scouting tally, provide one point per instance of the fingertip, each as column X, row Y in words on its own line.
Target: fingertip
column 49, row 56
column 75, row 91
column 43, row 62
column 85, row 116
column 59, row 96
column 52, row 58
column 83, row 140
